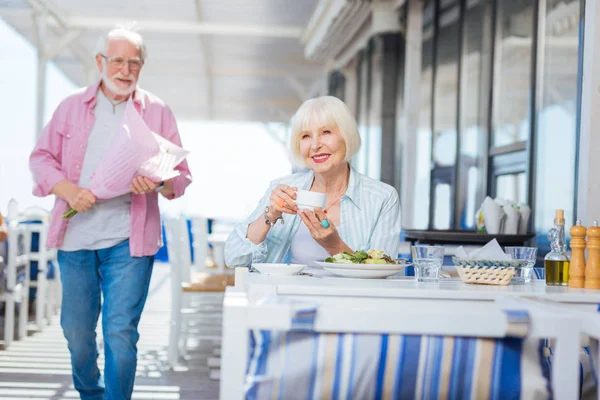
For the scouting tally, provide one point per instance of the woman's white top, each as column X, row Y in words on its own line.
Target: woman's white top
column 305, row 249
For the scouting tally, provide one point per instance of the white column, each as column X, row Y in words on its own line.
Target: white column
column 588, row 194
column 40, row 93
column 39, row 26
column 412, row 105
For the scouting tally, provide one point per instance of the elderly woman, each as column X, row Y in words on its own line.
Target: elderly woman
column 360, row 214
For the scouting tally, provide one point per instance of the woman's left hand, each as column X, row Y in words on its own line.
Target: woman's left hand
column 329, row 237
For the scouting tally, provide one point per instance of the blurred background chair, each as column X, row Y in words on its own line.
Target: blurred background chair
column 197, row 291
column 15, row 288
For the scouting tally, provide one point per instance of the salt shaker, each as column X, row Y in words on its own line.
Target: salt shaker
column 592, row 268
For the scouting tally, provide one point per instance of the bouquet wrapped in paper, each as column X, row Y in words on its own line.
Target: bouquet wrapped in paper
column 135, row 150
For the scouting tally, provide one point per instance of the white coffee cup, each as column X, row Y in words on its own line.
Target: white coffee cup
column 307, row 200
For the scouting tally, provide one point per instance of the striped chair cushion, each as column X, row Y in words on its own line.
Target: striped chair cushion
column 308, row 365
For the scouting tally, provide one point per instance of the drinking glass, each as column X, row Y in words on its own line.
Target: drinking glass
column 528, row 254
column 427, row 261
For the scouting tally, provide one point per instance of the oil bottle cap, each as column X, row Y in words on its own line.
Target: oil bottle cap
column 559, row 218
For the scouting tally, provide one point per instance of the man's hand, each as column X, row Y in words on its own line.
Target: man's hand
column 81, row 199
column 141, row 185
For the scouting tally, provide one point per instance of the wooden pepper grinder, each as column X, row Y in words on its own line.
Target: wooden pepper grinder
column 577, row 266
column 592, row 268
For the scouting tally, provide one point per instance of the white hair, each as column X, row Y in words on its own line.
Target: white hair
column 123, row 32
column 324, row 111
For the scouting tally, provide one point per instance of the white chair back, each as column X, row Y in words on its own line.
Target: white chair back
column 19, row 245
column 499, row 319
column 179, row 250
column 200, row 242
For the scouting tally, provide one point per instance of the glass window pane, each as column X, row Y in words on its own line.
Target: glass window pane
column 361, row 157
column 557, row 129
column 476, row 82
column 512, row 86
column 423, row 168
column 446, row 84
column 374, row 138
column 512, row 187
column 445, row 109
column 442, row 206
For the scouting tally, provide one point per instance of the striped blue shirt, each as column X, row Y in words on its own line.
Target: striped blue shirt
column 370, row 219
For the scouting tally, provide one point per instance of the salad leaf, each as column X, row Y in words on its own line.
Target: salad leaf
column 361, row 257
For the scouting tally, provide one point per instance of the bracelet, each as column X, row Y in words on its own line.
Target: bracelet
column 268, row 221
column 160, row 187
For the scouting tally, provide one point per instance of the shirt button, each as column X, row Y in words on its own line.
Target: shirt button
column 77, row 166
column 81, row 146
column 68, row 136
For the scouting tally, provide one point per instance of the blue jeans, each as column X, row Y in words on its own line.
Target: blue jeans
column 122, row 282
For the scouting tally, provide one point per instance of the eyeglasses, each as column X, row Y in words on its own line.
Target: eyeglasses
column 135, row 64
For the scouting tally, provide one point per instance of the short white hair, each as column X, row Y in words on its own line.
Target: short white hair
column 324, row 111
column 123, row 32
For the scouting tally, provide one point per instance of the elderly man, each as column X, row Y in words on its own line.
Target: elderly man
column 107, row 250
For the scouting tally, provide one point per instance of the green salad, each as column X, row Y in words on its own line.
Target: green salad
column 361, row 257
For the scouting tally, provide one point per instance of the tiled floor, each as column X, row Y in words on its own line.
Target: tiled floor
column 38, row 367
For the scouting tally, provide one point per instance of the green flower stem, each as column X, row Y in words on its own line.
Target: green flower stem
column 69, row 214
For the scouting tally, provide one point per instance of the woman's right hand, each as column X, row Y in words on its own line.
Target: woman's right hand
column 282, row 201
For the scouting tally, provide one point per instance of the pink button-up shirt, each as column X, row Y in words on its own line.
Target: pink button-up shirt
column 59, row 154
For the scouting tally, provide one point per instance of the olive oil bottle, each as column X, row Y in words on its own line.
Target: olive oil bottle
column 556, row 262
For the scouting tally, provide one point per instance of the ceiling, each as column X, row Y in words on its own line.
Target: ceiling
column 231, row 60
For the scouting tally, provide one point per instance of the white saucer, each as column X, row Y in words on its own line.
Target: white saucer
column 279, row 269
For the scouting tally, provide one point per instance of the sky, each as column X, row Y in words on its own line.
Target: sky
column 231, row 163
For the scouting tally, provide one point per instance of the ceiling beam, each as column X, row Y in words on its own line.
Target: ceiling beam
column 189, row 27
column 165, row 26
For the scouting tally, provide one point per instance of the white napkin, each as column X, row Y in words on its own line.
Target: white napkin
column 525, row 214
column 493, row 216
column 491, row 251
column 511, row 223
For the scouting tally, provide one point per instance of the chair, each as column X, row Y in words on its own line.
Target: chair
column 200, row 242
column 17, row 276
column 207, row 289
column 265, row 341
column 47, row 281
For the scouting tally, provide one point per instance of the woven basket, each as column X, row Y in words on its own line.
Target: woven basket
column 487, row 272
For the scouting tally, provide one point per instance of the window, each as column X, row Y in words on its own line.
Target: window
column 421, row 192
column 557, row 120
column 513, row 64
column 474, row 110
column 445, row 111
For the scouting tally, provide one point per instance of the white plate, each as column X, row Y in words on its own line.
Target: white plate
column 362, row 273
column 279, row 269
column 363, row 267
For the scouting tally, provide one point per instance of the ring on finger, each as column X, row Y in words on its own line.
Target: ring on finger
column 325, row 223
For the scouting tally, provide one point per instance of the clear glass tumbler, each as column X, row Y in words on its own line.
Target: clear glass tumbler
column 427, row 261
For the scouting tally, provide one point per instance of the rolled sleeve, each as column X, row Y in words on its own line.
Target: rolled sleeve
column 239, row 250
column 46, row 159
column 44, row 188
column 171, row 133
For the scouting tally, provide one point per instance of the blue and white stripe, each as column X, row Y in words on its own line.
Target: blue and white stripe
column 370, row 219
column 368, row 366
column 309, row 365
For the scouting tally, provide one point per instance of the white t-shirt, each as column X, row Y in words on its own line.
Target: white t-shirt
column 305, row 250
column 107, row 223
